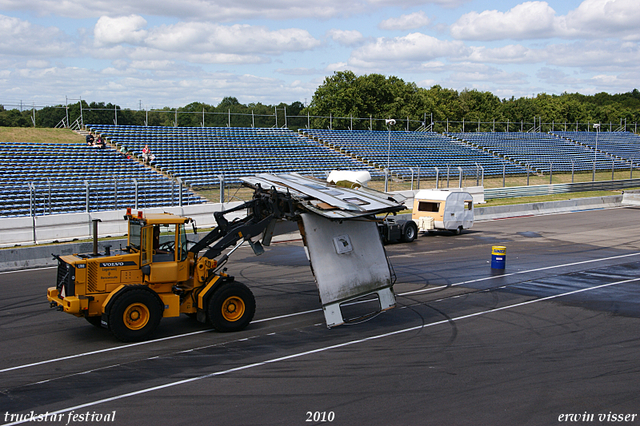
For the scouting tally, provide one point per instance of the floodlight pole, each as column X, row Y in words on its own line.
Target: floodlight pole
column 389, row 122
column 595, row 153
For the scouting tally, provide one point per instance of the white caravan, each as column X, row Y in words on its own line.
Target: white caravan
column 450, row 210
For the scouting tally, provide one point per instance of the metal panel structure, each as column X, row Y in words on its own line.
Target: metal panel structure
column 348, row 262
column 341, row 237
column 328, row 200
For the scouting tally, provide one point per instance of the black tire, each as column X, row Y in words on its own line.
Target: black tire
column 231, row 307
column 458, row 230
column 409, row 232
column 135, row 315
column 95, row 321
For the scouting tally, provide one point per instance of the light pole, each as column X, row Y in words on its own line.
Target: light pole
column 595, row 153
column 389, row 122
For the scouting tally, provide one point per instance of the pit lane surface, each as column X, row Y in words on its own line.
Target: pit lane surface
column 555, row 335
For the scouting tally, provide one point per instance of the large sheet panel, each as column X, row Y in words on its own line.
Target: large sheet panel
column 348, row 262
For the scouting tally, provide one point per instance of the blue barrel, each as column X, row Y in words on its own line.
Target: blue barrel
column 498, row 257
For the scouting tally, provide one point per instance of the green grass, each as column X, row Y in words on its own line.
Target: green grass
column 545, row 198
column 30, row 134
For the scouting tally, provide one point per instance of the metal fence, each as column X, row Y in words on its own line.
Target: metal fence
column 280, row 118
column 559, row 188
column 52, row 197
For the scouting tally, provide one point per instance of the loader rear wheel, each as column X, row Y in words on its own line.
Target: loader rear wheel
column 231, row 307
column 135, row 315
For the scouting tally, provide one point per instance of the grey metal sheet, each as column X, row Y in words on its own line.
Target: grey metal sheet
column 326, row 199
column 348, row 262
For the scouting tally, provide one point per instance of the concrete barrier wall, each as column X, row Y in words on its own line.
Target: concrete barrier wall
column 631, row 197
column 549, row 207
column 78, row 226
column 38, row 256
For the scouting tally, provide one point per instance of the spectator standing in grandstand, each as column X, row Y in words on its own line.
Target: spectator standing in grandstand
column 147, row 156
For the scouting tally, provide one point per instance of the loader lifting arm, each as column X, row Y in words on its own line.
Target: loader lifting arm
column 264, row 209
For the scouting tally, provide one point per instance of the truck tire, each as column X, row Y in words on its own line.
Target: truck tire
column 409, row 232
column 231, row 307
column 135, row 315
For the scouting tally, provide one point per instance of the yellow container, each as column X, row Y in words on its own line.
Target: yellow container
column 498, row 257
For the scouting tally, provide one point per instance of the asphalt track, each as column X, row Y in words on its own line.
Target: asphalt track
column 553, row 340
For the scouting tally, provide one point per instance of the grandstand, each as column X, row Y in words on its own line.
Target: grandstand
column 406, row 150
column 47, row 178
column 200, row 155
column 622, row 145
column 540, row 151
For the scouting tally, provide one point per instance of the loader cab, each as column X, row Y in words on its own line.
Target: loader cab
column 161, row 240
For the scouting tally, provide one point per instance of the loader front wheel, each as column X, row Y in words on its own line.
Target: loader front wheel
column 94, row 321
column 135, row 315
column 231, row 307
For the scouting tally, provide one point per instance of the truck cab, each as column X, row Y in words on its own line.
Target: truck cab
column 161, row 240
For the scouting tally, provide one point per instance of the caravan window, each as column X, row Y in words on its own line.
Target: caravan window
column 468, row 205
column 428, row 206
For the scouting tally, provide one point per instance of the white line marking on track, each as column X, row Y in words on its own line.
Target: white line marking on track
column 130, row 345
column 323, row 349
column 27, row 270
column 528, row 271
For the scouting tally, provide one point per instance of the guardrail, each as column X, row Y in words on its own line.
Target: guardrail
column 559, row 188
column 67, row 227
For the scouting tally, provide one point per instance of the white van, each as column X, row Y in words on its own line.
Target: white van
column 450, row 210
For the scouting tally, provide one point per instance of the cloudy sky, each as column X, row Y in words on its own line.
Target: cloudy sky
column 156, row 53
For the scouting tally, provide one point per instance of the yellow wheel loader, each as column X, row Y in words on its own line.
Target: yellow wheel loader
column 160, row 273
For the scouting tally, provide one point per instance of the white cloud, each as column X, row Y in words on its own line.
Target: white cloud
column 557, row 77
column 38, row 63
column 21, row 38
column 126, row 29
column 235, row 39
column 532, row 19
column 511, row 54
column 596, row 18
column 153, row 65
column 338, row 66
column 474, row 73
column 345, row 37
column 449, row 4
column 427, row 83
column 434, row 66
column 406, row 22
column 199, row 42
column 127, row 87
column 299, row 71
column 538, row 20
column 214, row 10
column 594, row 55
column 409, row 50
